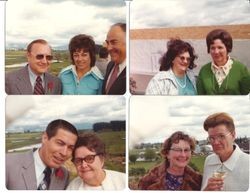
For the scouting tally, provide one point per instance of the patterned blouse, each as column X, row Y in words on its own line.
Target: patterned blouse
column 173, row 182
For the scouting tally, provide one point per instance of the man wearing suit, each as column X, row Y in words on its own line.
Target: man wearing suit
column 115, row 78
column 41, row 169
column 34, row 78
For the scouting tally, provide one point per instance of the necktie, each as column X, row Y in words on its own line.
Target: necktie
column 44, row 185
column 112, row 77
column 38, row 89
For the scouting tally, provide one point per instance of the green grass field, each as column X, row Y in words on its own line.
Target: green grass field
column 115, row 147
column 19, row 56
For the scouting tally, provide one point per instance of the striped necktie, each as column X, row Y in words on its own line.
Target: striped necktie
column 112, row 77
column 44, row 185
column 38, row 89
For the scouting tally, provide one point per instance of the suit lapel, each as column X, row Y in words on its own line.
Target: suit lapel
column 28, row 172
column 23, row 81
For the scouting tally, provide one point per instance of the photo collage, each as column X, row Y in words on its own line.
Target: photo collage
column 126, row 95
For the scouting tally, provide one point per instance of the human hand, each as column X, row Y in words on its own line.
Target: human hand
column 214, row 184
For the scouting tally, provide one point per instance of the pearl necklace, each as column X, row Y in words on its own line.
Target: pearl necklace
column 185, row 81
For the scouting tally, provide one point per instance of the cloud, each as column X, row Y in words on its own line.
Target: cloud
column 58, row 21
column 188, row 13
column 83, row 110
column 151, row 118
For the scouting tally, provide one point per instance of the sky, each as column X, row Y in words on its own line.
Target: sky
column 177, row 13
column 154, row 118
column 35, row 112
column 58, row 21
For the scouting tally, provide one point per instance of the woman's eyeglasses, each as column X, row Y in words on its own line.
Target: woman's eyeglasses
column 41, row 56
column 179, row 150
column 89, row 159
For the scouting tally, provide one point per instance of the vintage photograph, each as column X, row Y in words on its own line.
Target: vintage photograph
column 189, row 143
column 69, row 47
column 65, row 142
column 189, row 47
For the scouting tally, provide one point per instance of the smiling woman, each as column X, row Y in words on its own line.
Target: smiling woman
column 174, row 173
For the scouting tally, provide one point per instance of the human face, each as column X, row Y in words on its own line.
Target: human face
column 181, row 63
column 218, row 52
column 223, row 141
column 39, row 66
column 82, row 60
column 88, row 171
column 56, row 150
column 116, row 44
column 179, row 155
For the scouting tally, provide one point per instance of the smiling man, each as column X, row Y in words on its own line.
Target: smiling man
column 34, row 77
column 115, row 78
column 228, row 168
column 41, row 169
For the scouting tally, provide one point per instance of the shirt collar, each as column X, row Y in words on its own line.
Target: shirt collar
column 94, row 70
column 225, row 68
column 39, row 165
column 33, row 77
column 230, row 163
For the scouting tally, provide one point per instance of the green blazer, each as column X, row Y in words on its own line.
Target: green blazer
column 237, row 81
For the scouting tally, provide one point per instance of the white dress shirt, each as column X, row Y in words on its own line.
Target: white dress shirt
column 237, row 170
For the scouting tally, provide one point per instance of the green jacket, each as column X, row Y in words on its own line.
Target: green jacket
column 237, row 81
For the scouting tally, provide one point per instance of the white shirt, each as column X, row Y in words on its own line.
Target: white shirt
column 237, row 170
column 39, row 167
column 113, row 181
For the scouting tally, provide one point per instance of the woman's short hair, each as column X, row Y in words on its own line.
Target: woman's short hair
column 85, row 43
column 175, row 138
column 92, row 142
column 221, row 34
column 176, row 47
column 219, row 119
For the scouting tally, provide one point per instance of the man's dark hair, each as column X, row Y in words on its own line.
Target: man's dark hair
column 121, row 25
column 53, row 127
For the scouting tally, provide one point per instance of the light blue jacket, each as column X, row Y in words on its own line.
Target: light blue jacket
column 89, row 84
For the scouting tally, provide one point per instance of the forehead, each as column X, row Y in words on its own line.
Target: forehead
column 116, row 33
column 217, row 42
column 40, row 47
column 83, row 151
column 65, row 136
column 181, row 143
column 219, row 129
column 185, row 53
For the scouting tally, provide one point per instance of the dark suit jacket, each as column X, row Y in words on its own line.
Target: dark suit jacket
column 20, row 173
column 119, row 86
column 18, row 83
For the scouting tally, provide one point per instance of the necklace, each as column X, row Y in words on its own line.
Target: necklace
column 179, row 82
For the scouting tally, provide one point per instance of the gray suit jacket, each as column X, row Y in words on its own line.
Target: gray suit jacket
column 20, row 173
column 18, row 83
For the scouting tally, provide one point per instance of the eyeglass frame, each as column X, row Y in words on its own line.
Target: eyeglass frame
column 182, row 58
column 84, row 159
column 180, row 150
column 219, row 137
column 41, row 56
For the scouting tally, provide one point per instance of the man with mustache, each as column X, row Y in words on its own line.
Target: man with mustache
column 41, row 169
column 115, row 78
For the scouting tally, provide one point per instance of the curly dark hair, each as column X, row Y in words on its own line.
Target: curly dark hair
column 221, row 34
column 84, row 42
column 176, row 47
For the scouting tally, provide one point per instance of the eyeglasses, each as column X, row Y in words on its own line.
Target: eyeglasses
column 179, row 150
column 89, row 159
column 41, row 56
column 220, row 137
column 183, row 58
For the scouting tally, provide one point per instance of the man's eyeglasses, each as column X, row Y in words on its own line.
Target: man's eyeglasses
column 89, row 159
column 179, row 150
column 41, row 56
column 220, row 137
